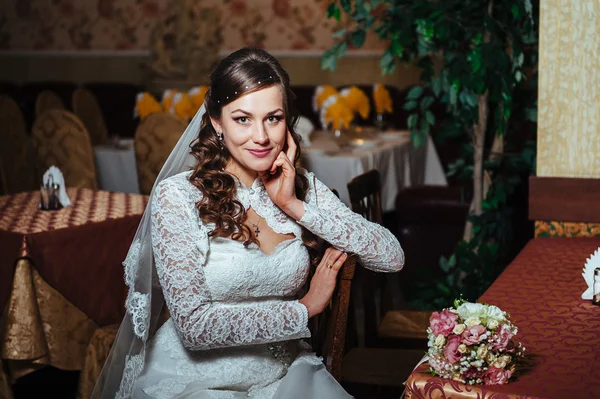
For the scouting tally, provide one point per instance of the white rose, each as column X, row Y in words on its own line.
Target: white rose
column 505, row 359
column 499, row 363
column 440, row 340
column 492, row 324
column 462, row 348
column 458, row 329
column 468, row 309
column 472, row 321
column 494, row 313
column 490, row 358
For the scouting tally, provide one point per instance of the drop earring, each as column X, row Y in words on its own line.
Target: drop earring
column 220, row 138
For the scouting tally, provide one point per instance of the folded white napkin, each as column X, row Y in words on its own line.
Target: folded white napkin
column 54, row 176
column 588, row 273
column 304, row 127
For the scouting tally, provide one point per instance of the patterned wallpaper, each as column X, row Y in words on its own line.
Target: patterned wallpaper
column 569, row 89
column 111, row 25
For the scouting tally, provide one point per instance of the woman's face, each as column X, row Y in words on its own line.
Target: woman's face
column 254, row 130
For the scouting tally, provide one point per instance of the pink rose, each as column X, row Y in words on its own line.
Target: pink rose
column 496, row 376
column 443, row 322
column 504, row 337
column 451, row 349
column 473, row 335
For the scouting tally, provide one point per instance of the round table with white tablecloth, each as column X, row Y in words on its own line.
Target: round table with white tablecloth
column 335, row 161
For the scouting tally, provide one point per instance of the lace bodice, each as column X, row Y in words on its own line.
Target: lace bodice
column 222, row 294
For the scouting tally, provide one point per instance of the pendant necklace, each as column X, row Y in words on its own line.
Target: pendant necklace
column 255, row 225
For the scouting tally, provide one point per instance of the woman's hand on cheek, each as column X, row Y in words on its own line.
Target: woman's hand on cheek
column 279, row 181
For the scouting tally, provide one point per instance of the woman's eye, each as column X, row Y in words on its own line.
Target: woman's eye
column 242, row 119
column 275, row 119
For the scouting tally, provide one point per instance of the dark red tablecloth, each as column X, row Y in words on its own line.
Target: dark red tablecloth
column 78, row 250
column 541, row 290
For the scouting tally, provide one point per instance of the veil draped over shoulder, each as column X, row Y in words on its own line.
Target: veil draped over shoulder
column 145, row 299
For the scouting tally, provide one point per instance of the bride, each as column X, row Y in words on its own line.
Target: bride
column 227, row 242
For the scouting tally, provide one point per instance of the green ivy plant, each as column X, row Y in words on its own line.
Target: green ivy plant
column 477, row 59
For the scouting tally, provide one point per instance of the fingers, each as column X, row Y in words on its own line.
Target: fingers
column 291, row 147
column 282, row 162
column 337, row 265
column 333, row 259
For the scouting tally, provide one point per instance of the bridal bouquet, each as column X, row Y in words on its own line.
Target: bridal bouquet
column 473, row 343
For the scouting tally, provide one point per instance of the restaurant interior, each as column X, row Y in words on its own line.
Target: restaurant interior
column 467, row 129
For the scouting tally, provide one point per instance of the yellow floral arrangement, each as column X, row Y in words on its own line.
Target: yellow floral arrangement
column 382, row 99
column 335, row 111
column 145, row 105
column 197, row 95
column 182, row 106
column 357, row 100
column 167, row 99
column 322, row 93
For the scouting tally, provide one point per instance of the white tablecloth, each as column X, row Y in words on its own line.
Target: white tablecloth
column 399, row 162
column 116, row 168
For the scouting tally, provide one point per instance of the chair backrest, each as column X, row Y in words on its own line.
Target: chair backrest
column 86, row 107
column 155, row 138
column 328, row 329
column 16, row 158
column 46, row 101
column 60, row 139
column 365, row 199
column 365, row 195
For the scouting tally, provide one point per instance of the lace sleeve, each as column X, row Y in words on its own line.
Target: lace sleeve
column 329, row 218
column 180, row 244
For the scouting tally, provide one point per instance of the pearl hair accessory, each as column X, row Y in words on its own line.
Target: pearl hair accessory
column 247, row 87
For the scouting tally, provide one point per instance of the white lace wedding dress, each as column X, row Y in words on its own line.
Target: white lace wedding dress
column 236, row 325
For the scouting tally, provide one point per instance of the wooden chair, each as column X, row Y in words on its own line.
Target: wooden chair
column 329, row 328
column 374, row 365
column 47, row 100
column 155, row 138
column 60, row 139
column 86, row 107
column 16, row 158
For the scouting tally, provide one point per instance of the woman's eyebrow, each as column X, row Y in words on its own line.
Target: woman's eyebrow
column 249, row 113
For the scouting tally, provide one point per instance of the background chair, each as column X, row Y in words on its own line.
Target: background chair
column 60, row 139
column 155, row 138
column 86, row 107
column 16, row 158
column 46, row 101
column 117, row 102
column 430, row 221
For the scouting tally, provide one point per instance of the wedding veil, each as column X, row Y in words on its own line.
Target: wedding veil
column 145, row 299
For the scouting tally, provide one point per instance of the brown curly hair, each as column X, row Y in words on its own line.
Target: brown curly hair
column 244, row 71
